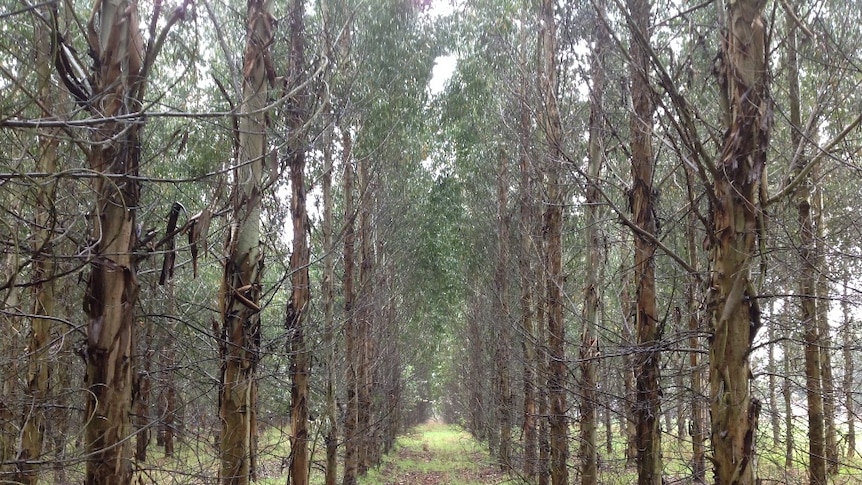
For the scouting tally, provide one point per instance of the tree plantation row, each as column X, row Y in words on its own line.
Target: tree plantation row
column 616, row 241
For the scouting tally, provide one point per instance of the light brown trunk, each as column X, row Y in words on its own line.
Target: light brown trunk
column 526, row 255
column 168, row 368
column 557, row 372
column 351, row 339
column 647, row 325
column 364, row 320
column 849, row 343
column 299, row 258
column 822, row 291
column 733, row 235
column 628, row 305
column 807, row 256
column 697, row 429
column 241, row 285
column 32, row 433
column 787, row 394
column 142, row 404
column 589, row 349
column 331, row 437
column 502, row 340
column 112, row 287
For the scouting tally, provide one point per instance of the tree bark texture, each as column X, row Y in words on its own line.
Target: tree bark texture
column 526, row 255
column 589, row 350
column 327, row 296
column 299, row 258
column 849, row 368
column 807, row 257
column 112, row 287
column 502, row 343
column 557, row 372
column 642, row 197
column 733, row 235
column 697, row 426
column 32, row 433
column 241, row 284
column 351, row 339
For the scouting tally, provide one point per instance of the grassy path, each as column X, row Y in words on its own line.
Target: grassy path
column 436, row 454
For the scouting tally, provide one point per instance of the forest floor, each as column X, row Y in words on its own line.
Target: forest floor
column 436, row 454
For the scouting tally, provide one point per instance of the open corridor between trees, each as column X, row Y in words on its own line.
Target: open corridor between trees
column 605, row 241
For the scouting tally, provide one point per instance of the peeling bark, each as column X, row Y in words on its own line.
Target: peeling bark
column 735, row 229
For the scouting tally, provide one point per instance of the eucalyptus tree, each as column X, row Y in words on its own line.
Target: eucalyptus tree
column 557, row 373
column 32, row 435
column 595, row 258
column 808, row 271
column 297, row 307
column 735, row 226
column 648, row 326
column 241, row 283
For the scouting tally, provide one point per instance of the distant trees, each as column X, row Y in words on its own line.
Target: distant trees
column 554, row 248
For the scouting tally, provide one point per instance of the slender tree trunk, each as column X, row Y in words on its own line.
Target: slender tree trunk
column 241, row 286
column 807, row 277
column 112, row 287
column 647, row 325
column 525, row 269
column 32, row 434
column 787, row 394
column 543, row 467
column 299, row 257
column 327, row 297
column 772, row 370
column 168, row 370
column 557, row 373
column 589, row 350
column 142, row 404
column 351, row 339
column 697, row 429
column 502, row 338
column 628, row 307
column 365, row 314
column 735, row 228
column 848, row 344
column 822, row 316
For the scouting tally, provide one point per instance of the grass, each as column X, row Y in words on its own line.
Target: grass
column 436, row 453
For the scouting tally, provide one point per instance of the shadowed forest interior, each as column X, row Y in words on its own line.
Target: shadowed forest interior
column 608, row 241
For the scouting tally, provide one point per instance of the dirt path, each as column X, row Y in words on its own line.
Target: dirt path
column 437, row 454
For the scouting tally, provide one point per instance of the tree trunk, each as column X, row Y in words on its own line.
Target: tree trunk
column 589, row 350
column 543, row 437
column 697, row 429
column 526, row 254
column 787, row 394
column 168, row 369
column 734, row 231
column 822, row 316
column 299, row 258
column 331, row 437
column 557, row 373
column 241, row 285
column 502, row 340
column 772, row 370
column 807, row 275
column 142, row 404
column 628, row 306
column 848, row 384
column 112, row 287
column 365, row 313
column 32, row 434
column 647, row 325
column 351, row 339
